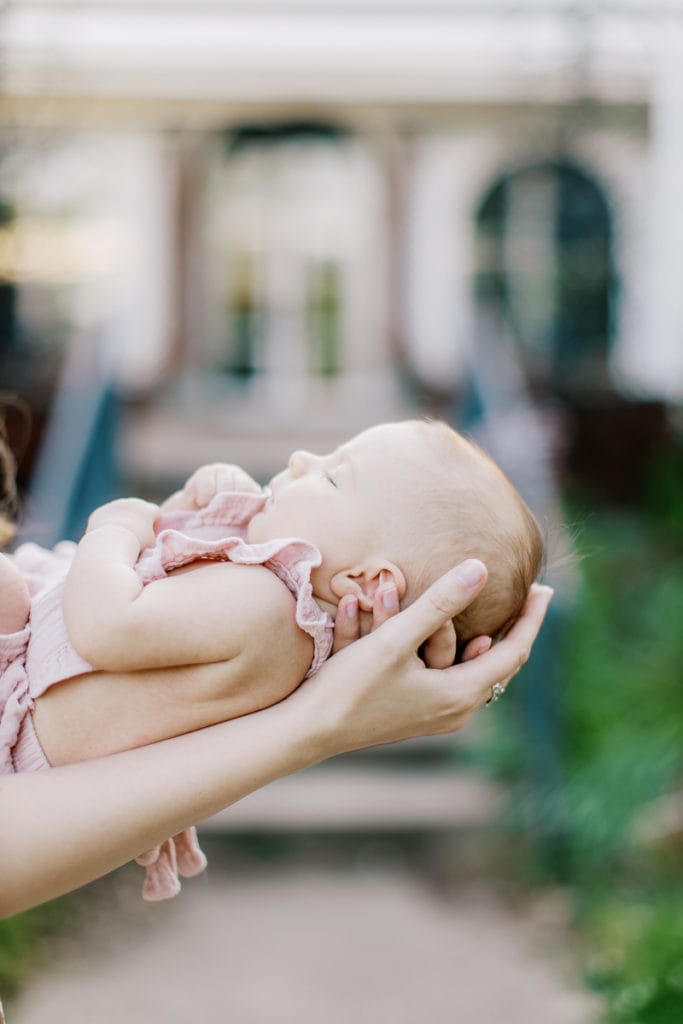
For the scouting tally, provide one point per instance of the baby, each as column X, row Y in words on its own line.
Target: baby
column 225, row 573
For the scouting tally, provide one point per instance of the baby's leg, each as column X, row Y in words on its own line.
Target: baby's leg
column 14, row 597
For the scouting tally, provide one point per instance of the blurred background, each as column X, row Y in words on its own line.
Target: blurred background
column 228, row 230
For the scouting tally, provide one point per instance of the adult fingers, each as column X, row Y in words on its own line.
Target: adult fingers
column 346, row 623
column 439, row 603
column 504, row 660
column 440, row 648
column 479, row 645
column 385, row 604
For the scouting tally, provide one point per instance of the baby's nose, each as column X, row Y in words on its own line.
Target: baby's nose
column 300, row 462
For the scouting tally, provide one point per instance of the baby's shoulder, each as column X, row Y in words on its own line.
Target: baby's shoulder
column 267, row 606
column 252, row 593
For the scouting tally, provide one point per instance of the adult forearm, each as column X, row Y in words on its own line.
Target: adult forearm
column 64, row 827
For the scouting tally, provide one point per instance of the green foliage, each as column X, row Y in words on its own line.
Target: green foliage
column 621, row 748
column 623, row 712
column 638, row 958
column 21, row 939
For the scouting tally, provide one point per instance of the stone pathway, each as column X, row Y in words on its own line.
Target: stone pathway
column 310, row 942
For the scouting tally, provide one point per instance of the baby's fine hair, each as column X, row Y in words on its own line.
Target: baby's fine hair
column 470, row 509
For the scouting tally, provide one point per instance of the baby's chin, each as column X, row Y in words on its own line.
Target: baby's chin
column 256, row 530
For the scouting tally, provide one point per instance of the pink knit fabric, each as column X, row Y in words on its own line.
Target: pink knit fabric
column 15, row 702
column 41, row 655
column 35, row 657
column 179, row 855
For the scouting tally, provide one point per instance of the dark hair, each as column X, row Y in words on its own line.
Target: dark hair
column 9, row 500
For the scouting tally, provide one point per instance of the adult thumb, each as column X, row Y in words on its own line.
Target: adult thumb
column 446, row 597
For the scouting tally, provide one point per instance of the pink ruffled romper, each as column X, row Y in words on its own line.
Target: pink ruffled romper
column 41, row 655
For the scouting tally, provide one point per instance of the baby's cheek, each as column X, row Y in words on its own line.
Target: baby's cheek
column 255, row 530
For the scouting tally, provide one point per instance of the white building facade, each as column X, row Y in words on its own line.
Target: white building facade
column 287, row 214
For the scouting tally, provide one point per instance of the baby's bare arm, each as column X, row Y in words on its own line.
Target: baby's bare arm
column 14, row 597
column 102, row 585
column 207, row 612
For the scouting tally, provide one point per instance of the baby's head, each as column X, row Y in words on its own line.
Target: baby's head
column 410, row 500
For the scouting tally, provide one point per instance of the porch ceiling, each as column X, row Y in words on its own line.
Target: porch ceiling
column 393, row 52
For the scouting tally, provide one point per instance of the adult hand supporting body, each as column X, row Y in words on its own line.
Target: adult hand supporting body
column 64, row 827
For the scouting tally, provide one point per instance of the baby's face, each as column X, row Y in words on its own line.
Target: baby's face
column 342, row 501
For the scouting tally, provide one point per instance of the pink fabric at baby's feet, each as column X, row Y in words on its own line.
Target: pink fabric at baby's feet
column 181, row 854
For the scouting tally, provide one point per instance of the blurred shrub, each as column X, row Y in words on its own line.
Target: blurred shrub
column 623, row 706
column 638, row 957
column 620, row 740
column 21, row 941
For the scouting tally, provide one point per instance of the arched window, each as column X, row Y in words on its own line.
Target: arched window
column 545, row 264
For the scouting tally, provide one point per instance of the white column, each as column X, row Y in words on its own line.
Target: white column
column 451, row 176
column 438, row 277
column 141, row 317
column 653, row 359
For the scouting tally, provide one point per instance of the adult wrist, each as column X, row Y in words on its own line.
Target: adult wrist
column 311, row 734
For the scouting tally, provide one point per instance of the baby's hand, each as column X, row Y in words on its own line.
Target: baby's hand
column 133, row 514
column 208, row 481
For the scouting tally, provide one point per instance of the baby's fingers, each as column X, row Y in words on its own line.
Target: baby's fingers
column 439, row 650
column 207, row 482
column 479, row 645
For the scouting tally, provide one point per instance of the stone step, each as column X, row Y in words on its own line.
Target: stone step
column 365, row 799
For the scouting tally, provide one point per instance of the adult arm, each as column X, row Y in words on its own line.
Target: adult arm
column 66, row 826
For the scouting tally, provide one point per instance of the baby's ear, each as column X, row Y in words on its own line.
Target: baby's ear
column 364, row 580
